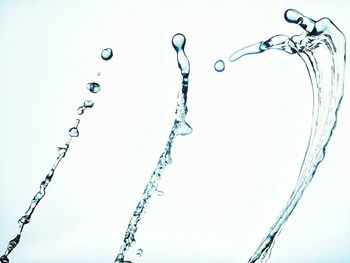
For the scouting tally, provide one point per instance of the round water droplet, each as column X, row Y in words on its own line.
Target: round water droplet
column 107, row 54
column 98, row 74
column 80, row 110
column 219, row 66
column 179, row 41
column 93, row 87
column 73, row 132
column 88, row 103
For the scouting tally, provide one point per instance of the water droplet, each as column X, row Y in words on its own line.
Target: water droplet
column 62, row 151
column 98, row 74
column 139, row 252
column 88, row 103
column 73, row 132
column 93, row 87
column 80, row 110
column 219, row 66
column 107, row 54
column 4, row 259
column 179, row 41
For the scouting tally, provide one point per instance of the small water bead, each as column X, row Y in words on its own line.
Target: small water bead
column 179, row 41
column 93, row 87
column 107, row 54
column 98, row 74
column 88, row 103
column 219, row 66
column 73, row 132
column 62, row 151
column 80, row 110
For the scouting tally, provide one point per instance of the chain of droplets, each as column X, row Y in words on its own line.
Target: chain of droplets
column 322, row 48
column 62, row 151
column 180, row 127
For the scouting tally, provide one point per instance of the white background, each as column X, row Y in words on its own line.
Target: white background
column 229, row 179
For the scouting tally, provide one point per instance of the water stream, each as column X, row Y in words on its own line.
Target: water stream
column 322, row 48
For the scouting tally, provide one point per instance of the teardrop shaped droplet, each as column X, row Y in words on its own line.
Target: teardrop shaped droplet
column 107, row 54
column 219, row 66
column 93, row 87
column 73, row 132
column 61, row 151
column 88, row 103
column 179, row 41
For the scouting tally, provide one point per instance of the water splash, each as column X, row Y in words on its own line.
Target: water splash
column 107, row 54
column 180, row 127
column 322, row 48
column 62, row 151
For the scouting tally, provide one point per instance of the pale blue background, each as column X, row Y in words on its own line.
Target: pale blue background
column 229, row 179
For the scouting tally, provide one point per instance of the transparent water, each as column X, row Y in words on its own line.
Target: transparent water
column 107, row 54
column 180, row 127
column 322, row 48
column 73, row 132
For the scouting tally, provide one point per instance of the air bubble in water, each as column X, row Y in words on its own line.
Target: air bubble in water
column 219, row 66
column 93, row 87
column 107, row 54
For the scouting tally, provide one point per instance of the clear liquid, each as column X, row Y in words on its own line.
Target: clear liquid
column 93, row 87
column 107, row 54
column 322, row 48
column 180, row 127
column 62, row 151
column 219, row 66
